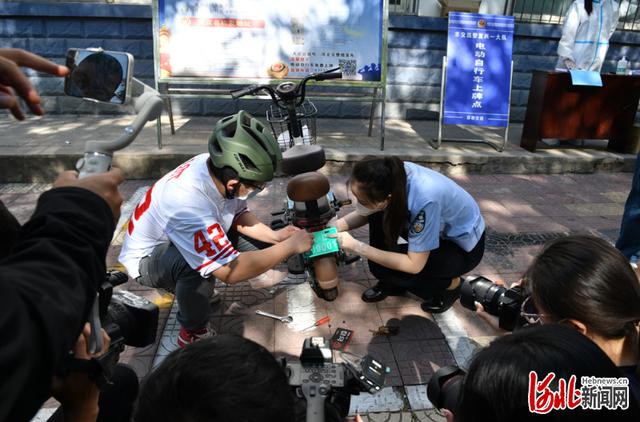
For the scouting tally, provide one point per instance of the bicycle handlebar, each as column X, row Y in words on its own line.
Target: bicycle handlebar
column 235, row 94
column 329, row 74
column 299, row 94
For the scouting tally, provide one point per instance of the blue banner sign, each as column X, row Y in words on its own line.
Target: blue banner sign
column 477, row 86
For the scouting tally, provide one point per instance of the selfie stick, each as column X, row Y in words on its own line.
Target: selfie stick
column 97, row 159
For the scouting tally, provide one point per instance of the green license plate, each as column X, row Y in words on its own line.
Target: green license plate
column 323, row 245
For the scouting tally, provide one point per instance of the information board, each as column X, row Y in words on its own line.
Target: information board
column 275, row 39
column 478, row 78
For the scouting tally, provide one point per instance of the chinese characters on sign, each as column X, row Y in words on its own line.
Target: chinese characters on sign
column 478, row 78
column 593, row 394
column 278, row 39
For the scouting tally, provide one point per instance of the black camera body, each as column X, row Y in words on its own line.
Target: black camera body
column 128, row 319
column 319, row 381
column 497, row 300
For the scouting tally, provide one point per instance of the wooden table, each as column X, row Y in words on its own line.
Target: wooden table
column 559, row 110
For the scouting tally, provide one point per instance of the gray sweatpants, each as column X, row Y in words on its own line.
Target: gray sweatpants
column 166, row 269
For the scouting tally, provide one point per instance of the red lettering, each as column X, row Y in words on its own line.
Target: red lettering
column 574, row 396
column 140, row 209
column 542, row 400
column 220, row 234
column 560, row 396
column 202, row 244
column 180, row 169
column 541, row 396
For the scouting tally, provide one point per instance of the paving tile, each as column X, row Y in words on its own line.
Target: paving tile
column 393, row 302
column 383, row 353
column 7, row 198
column 289, row 340
column 250, row 326
column 595, row 210
column 471, row 323
column 378, row 406
column 520, row 209
column 363, row 324
column 23, row 206
column 418, row 360
column 417, row 397
column 617, row 197
column 355, row 272
column 413, row 324
column 429, row 416
column 298, row 299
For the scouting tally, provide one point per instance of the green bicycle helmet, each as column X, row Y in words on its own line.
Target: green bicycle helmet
column 241, row 142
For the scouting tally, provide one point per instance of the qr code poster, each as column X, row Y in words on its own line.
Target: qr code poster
column 278, row 39
column 348, row 69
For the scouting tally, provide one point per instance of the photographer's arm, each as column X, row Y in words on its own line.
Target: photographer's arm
column 47, row 285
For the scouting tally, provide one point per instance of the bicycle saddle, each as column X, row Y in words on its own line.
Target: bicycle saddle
column 302, row 159
column 307, row 187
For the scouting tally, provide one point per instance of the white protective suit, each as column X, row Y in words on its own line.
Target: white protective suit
column 585, row 38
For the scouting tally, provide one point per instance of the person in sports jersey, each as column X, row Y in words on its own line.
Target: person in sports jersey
column 425, row 231
column 193, row 224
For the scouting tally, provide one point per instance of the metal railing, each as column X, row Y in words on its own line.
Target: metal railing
column 404, row 7
column 553, row 12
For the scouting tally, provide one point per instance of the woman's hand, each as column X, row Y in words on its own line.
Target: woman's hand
column 570, row 64
column 349, row 243
column 492, row 320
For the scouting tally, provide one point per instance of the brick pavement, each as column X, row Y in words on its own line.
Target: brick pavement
column 522, row 212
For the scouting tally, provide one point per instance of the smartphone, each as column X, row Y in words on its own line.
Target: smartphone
column 99, row 75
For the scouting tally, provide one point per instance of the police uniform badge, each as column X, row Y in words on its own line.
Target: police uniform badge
column 418, row 224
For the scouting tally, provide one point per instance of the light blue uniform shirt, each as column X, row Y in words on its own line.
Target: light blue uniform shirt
column 440, row 209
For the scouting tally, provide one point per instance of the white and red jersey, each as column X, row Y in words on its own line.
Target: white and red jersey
column 185, row 208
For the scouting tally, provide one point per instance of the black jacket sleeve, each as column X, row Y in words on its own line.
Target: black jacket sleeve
column 47, row 286
column 9, row 228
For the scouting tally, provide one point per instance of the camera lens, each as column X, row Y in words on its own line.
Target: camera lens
column 484, row 291
column 445, row 386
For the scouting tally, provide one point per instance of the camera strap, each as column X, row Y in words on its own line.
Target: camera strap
column 98, row 369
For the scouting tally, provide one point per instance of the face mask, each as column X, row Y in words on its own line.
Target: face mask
column 364, row 211
column 250, row 195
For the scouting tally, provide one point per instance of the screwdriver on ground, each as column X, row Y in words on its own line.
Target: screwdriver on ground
column 319, row 322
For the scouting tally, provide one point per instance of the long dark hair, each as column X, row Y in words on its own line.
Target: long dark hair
column 496, row 386
column 379, row 177
column 585, row 278
column 588, row 6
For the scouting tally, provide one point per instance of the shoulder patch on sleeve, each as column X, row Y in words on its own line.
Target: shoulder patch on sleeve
column 418, row 223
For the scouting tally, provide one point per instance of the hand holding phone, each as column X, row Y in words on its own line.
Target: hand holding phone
column 14, row 83
column 99, row 75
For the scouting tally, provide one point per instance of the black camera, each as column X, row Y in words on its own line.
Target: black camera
column 327, row 386
column 445, row 387
column 497, row 300
column 128, row 319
